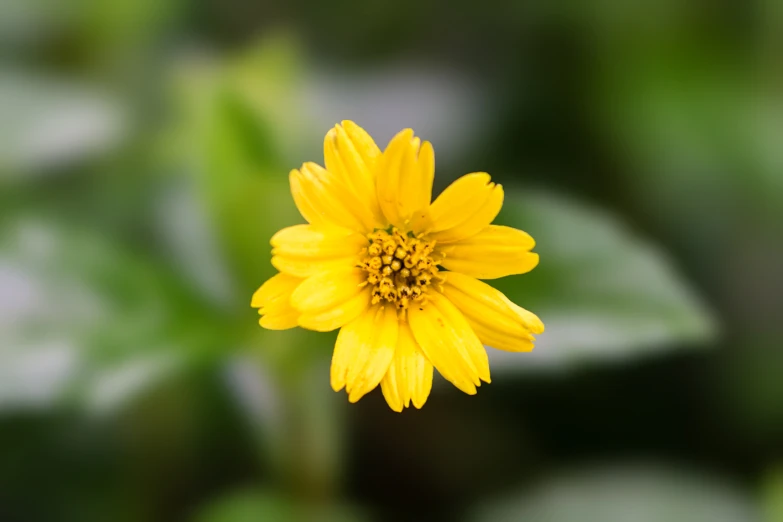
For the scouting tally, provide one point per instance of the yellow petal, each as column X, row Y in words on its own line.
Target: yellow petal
column 326, row 290
column 530, row 319
column 500, row 339
column 280, row 321
column 304, row 267
column 332, row 318
column 410, row 374
column 272, row 300
column 388, row 176
column 496, row 251
column 363, row 351
column 274, row 287
column 350, row 153
column 324, row 199
column 404, row 178
column 311, row 241
column 360, row 139
column 305, row 250
column 373, row 361
column 496, row 320
column 416, row 177
column 328, row 300
column 348, row 345
column 465, row 208
column 308, row 211
column 426, row 171
column 447, row 340
column 391, row 386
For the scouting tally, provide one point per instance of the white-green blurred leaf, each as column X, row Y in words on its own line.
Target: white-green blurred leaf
column 29, row 21
column 51, row 123
column 35, row 375
column 603, row 292
column 190, row 242
column 84, row 320
column 109, row 388
column 624, row 494
column 102, row 28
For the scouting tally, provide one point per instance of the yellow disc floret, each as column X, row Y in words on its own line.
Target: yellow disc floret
column 400, row 267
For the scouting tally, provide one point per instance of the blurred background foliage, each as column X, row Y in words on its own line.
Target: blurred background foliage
column 144, row 153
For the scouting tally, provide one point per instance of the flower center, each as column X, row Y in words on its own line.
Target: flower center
column 399, row 267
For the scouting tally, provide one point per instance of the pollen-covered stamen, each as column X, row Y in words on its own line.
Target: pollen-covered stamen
column 399, row 267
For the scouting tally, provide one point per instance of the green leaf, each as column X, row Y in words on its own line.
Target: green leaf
column 602, row 292
column 622, row 494
column 29, row 21
column 112, row 30
column 254, row 506
column 247, row 507
column 773, row 496
column 695, row 124
column 89, row 321
column 50, row 123
column 237, row 120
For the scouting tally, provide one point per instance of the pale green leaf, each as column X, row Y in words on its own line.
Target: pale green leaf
column 624, row 494
column 603, row 292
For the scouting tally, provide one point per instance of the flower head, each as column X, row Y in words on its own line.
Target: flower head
column 397, row 273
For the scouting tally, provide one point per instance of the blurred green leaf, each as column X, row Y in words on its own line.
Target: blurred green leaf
column 254, row 506
column 52, row 123
column 86, row 320
column 116, row 28
column 695, row 122
column 246, row 507
column 189, row 239
column 640, row 494
column 29, row 21
column 112, row 30
column 602, row 293
column 236, row 122
column 773, row 496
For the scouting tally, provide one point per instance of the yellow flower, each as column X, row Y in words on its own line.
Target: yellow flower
column 371, row 262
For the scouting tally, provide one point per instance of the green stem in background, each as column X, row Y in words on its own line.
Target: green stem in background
column 315, row 434
column 300, row 418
